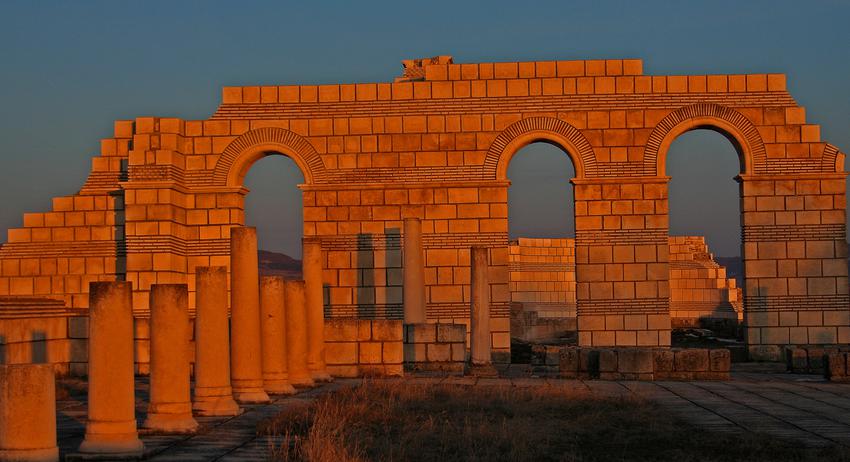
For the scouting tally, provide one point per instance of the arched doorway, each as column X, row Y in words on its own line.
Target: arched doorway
column 541, row 231
column 274, row 206
column 705, row 256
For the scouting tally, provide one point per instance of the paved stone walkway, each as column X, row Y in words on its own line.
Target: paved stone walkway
column 801, row 408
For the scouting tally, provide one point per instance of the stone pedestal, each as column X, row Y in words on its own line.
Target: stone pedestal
column 296, row 335
column 414, row 272
column 170, row 408
column 312, row 268
column 480, row 358
column 275, row 376
column 213, row 395
column 245, row 347
column 111, row 424
column 28, row 413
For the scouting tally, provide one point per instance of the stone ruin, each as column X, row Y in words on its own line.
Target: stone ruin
column 405, row 199
column 163, row 194
column 543, row 287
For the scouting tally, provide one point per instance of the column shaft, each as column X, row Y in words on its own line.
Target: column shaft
column 275, row 375
column 296, row 334
column 312, row 268
column 245, row 347
column 213, row 394
column 28, row 413
column 480, row 315
column 414, row 273
column 111, row 424
column 170, row 408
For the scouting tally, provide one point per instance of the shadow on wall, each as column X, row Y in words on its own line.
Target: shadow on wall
column 372, row 275
column 364, row 293
column 38, row 347
column 120, row 233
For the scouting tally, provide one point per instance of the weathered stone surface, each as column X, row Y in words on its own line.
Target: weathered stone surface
column 373, row 155
column 635, row 361
column 687, row 360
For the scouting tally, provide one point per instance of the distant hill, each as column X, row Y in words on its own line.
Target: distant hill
column 278, row 264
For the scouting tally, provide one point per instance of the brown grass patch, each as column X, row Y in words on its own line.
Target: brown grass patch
column 385, row 421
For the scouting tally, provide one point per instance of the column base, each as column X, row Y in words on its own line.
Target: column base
column 171, row 423
column 221, row 406
column 251, row 396
column 124, row 446
column 278, row 387
column 31, row 455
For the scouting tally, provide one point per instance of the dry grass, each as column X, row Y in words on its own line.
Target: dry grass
column 401, row 422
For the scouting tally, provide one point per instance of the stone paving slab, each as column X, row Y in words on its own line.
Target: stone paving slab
column 805, row 409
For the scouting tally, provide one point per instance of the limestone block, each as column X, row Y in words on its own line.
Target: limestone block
column 720, row 359
column 338, row 353
column 663, row 360
column 387, row 330
column 688, row 360
column 836, row 366
column 421, row 333
column 635, row 360
column 438, row 352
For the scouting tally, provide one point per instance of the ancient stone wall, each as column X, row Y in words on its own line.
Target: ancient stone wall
column 164, row 193
column 699, row 288
column 542, row 275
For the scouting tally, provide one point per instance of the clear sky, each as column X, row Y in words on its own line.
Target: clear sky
column 68, row 69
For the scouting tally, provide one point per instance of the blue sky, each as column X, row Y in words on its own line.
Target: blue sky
column 68, row 69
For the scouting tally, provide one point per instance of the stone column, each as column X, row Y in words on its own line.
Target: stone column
column 213, row 395
column 414, row 272
column 28, row 413
column 312, row 269
column 170, row 408
column 275, row 376
column 111, row 424
column 296, row 335
column 480, row 315
column 245, row 347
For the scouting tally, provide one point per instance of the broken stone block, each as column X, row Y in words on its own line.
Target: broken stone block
column 691, row 360
column 720, row 360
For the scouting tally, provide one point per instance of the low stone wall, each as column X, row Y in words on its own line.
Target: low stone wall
column 357, row 347
column 837, row 366
column 634, row 363
column 43, row 331
column 435, row 347
column 811, row 359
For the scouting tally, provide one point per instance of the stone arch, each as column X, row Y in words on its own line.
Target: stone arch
column 730, row 123
column 249, row 147
column 545, row 129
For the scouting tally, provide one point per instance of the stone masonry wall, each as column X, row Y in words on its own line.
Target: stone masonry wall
column 542, row 274
column 164, row 193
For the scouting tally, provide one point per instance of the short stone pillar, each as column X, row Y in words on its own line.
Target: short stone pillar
column 111, row 424
column 28, row 413
column 312, row 269
column 480, row 310
column 414, row 273
column 296, row 335
column 275, row 376
column 213, row 395
column 170, row 407
column 245, row 343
